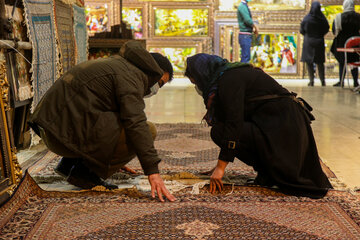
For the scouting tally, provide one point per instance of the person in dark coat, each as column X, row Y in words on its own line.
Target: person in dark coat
column 94, row 117
column 346, row 25
column 314, row 27
column 256, row 120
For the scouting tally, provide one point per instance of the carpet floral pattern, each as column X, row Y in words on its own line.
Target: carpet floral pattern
column 238, row 213
column 182, row 147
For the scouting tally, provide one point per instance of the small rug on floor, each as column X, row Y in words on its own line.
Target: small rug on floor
column 182, row 147
column 237, row 213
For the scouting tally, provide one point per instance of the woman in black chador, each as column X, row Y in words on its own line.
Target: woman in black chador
column 346, row 25
column 314, row 27
column 256, row 120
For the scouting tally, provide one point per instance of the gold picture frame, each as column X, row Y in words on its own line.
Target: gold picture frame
column 10, row 170
column 199, row 45
column 228, row 47
column 109, row 11
column 144, row 11
column 181, row 6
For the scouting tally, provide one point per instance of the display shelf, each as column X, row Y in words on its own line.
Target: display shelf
column 111, row 42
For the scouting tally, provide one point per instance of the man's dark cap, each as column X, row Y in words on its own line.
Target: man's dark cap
column 164, row 64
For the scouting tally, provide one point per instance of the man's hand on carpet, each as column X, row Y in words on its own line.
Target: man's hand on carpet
column 157, row 184
column 217, row 175
column 128, row 170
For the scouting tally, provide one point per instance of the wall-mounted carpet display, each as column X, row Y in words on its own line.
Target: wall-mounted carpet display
column 65, row 34
column 81, row 37
column 41, row 28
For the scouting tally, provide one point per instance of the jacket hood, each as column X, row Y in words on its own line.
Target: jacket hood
column 136, row 54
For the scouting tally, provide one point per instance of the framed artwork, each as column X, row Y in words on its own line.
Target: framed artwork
column 330, row 12
column 181, row 22
column 261, row 5
column 99, row 16
column 178, row 51
column 134, row 17
column 176, row 55
column 275, row 49
column 10, row 171
column 275, row 52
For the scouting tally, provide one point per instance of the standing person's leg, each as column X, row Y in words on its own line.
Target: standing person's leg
column 245, row 45
column 310, row 68
column 341, row 73
column 321, row 70
column 355, row 75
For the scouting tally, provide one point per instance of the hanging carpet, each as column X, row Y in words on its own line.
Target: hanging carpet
column 65, row 34
column 40, row 22
column 80, row 32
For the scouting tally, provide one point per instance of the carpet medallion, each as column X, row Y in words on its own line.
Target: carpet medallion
column 238, row 213
column 182, row 148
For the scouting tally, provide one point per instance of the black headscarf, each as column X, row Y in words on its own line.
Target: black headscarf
column 206, row 70
column 315, row 12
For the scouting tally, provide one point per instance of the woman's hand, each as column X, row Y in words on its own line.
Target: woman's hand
column 217, row 175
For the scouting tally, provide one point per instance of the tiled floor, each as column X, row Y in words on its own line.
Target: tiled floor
column 336, row 128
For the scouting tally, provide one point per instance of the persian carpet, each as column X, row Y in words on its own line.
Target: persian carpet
column 40, row 22
column 183, row 147
column 65, row 34
column 80, row 32
column 237, row 213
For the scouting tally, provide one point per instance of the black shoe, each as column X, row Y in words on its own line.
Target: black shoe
column 64, row 166
column 82, row 177
column 311, row 84
column 338, row 84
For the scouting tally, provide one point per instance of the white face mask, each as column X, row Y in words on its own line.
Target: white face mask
column 153, row 90
column 198, row 90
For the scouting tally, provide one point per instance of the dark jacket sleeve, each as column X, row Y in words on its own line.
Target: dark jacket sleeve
column 231, row 97
column 137, row 130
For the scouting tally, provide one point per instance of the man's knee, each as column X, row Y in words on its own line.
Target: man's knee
column 152, row 129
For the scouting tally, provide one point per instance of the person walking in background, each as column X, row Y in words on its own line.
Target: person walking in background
column 345, row 25
column 314, row 27
column 246, row 27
